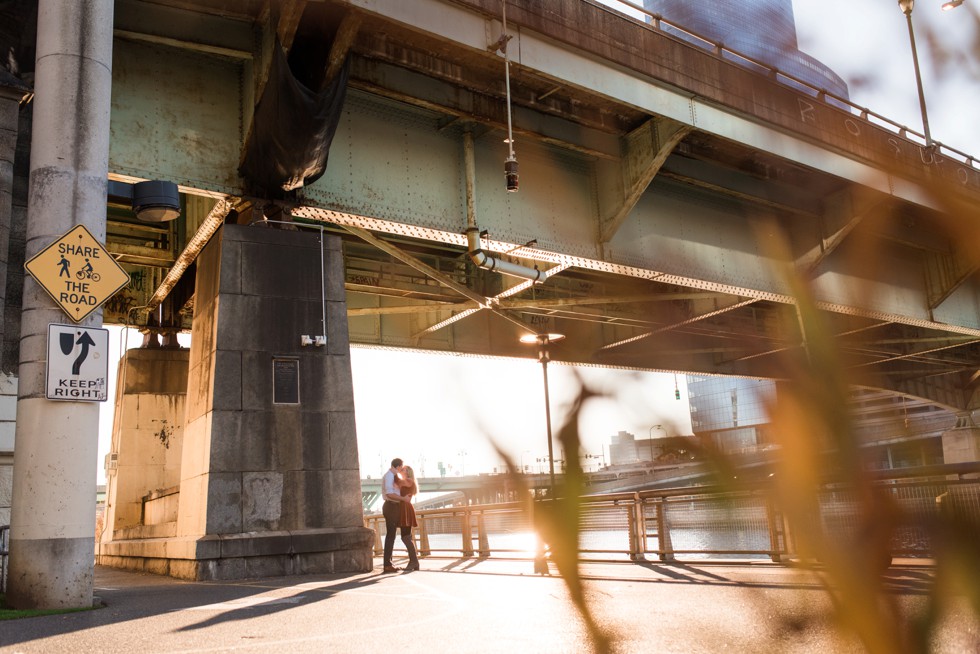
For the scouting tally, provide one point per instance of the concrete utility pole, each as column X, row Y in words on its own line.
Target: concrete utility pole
column 52, row 522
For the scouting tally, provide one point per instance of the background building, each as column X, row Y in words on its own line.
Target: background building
column 730, row 412
column 764, row 30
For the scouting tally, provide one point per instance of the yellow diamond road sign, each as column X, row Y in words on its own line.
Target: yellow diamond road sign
column 77, row 272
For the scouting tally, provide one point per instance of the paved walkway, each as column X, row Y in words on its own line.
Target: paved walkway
column 469, row 606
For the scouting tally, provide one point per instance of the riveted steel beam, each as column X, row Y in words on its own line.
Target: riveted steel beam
column 215, row 219
column 647, row 148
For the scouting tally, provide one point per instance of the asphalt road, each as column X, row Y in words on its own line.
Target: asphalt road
column 475, row 606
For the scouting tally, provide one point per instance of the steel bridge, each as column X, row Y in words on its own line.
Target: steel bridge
column 679, row 206
column 669, row 190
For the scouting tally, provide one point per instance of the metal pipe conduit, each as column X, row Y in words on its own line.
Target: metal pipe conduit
column 477, row 255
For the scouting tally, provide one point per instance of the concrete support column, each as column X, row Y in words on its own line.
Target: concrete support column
column 961, row 444
column 52, row 531
column 147, row 439
column 12, row 91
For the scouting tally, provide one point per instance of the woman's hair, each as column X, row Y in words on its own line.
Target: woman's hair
column 410, row 474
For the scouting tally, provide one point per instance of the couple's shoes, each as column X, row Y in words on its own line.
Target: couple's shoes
column 408, row 568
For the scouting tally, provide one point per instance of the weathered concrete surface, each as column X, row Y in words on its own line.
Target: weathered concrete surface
column 961, row 445
column 52, row 522
column 147, row 435
column 265, row 488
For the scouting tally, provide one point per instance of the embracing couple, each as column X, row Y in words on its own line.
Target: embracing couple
column 398, row 487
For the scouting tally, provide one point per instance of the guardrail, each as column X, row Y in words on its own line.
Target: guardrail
column 657, row 22
column 691, row 523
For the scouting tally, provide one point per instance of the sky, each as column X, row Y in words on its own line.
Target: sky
column 443, row 409
column 867, row 43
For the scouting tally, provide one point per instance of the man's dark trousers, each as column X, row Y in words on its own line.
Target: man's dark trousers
column 392, row 511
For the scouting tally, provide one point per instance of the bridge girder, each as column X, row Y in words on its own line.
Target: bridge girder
column 672, row 238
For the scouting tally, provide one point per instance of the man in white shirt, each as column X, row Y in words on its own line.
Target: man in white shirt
column 392, row 509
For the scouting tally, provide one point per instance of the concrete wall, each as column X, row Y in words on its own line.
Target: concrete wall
column 263, row 466
column 961, row 445
column 266, row 488
column 147, row 433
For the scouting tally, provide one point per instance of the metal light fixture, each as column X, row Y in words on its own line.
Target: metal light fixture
column 952, row 4
column 906, row 7
column 156, row 201
column 511, row 174
column 543, row 341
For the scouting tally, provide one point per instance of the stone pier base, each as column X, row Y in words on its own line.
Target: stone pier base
column 244, row 556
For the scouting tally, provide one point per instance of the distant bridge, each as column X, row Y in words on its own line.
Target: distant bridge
column 502, row 487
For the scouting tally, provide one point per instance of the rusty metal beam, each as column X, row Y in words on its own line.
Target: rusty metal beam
column 421, row 266
column 945, row 273
column 290, row 14
column 341, row 45
column 550, row 303
column 215, row 219
column 738, row 195
column 856, row 210
column 418, row 264
column 913, row 355
column 647, row 148
column 513, row 290
column 409, row 309
column 671, row 327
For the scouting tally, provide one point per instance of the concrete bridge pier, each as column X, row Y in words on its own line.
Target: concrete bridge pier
column 143, row 465
column 269, row 478
column 961, row 444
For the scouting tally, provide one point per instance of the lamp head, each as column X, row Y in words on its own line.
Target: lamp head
column 906, row 6
column 512, row 174
column 543, row 339
column 156, row 201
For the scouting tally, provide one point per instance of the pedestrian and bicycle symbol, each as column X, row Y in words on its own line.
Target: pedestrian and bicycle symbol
column 78, row 273
column 78, row 363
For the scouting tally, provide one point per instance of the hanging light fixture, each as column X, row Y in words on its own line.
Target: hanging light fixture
column 510, row 164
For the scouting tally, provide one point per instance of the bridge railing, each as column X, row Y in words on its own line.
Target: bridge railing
column 658, row 23
column 695, row 523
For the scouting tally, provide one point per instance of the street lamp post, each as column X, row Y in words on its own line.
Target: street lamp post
column 650, row 439
column 543, row 341
column 906, row 7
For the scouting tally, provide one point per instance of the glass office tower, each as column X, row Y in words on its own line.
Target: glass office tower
column 730, row 412
column 762, row 29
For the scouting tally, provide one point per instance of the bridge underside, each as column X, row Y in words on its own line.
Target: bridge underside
column 679, row 200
